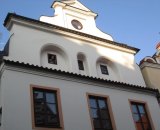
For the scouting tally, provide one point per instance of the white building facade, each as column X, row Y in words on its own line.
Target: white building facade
column 63, row 73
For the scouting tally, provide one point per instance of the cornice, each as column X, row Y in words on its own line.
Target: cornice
column 68, row 5
column 81, row 11
column 49, row 72
column 150, row 65
column 11, row 18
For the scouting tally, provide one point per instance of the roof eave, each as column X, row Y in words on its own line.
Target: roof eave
column 13, row 15
column 114, row 84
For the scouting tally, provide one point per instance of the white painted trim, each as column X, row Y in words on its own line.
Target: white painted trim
column 151, row 65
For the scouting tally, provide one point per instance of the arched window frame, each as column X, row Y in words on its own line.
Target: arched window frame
column 61, row 60
column 82, row 63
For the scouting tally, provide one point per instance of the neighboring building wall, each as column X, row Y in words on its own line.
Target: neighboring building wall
column 151, row 74
column 17, row 100
column 150, row 67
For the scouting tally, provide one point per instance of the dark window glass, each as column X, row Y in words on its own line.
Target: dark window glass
column 104, row 69
column 80, row 65
column 140, row 116
column 99, row 113
column 76, row 24
column 52, row 59
column 94, row 113
column 45, row 108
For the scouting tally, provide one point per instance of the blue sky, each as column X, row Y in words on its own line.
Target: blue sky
column 135, row 23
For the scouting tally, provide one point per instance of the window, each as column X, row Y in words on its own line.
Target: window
column 46, row 108
column 104, row 69
column 80, row 65
column 100, row 113
column 52, row 59
column 140, row 116
column 76, row 24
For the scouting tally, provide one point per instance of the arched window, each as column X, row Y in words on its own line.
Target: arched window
column 103, row 66
column 53, row 56
column 82, row 63
column 106, row 69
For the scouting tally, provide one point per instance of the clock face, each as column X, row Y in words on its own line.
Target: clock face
column 76, row 24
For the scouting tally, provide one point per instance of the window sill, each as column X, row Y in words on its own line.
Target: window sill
column 44, row 128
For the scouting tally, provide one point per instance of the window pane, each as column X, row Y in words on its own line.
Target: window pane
column 134, row 109
column 139, row 126
column 76, row 24
column 136, row 118
column 104, row 114
column 106, row 124
column 96, row 123
column 102, row 103
column 51, row 109
column 52, row 59
column 93, row 103
column 147, row 126
column 94, row 113
column 38, row 96
column 80, row 65
column 50, row 98
column 104, row 69
column 51, row 119
column 39, row 119
column 144, row 118
column 39, row 108
column 141, row 108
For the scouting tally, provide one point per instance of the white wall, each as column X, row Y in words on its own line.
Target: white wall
column 65, row 13
column 17, row 101
column 27, row 43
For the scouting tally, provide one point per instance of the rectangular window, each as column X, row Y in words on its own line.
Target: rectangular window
column 104, row 69
column 140, row 116
column 80, row 65
column 100, row 113
column 52, row 59
column 46, row 108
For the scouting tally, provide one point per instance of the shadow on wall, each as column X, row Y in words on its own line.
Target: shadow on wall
column 62, row 61
column 121, row 65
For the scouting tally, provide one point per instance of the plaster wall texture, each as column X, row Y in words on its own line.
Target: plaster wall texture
column 30, row 44
column 17, row 101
